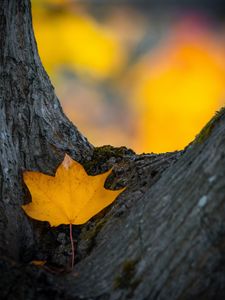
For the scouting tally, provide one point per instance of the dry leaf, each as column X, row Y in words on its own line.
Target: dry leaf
column 70, row 197
column 38, row 263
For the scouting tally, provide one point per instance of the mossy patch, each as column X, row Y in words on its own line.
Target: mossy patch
column 105, row 153
column 91, row 234
column 107, row 157
column 206, row 131
column 126, row 279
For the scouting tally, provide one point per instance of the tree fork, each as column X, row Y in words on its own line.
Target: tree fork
column 162, row 239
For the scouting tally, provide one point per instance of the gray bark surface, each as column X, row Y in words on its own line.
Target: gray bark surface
column 163, row 238
column 35, row 133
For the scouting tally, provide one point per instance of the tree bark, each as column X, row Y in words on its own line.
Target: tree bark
column 162, row 239
column 35, row 133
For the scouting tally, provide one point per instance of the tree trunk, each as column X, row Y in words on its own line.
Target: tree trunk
column 35, row 133
column 162, row 239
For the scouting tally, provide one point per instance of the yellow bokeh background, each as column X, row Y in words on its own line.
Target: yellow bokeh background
column 74, row 40
column 179, row 91
column 155, row 101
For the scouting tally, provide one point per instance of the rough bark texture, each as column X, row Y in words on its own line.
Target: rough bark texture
column 164, row 237
column 35, row 133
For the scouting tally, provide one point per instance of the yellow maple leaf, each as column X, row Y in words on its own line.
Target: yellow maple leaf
column 69, row 197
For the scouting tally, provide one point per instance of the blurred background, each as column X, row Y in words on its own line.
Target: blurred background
column 144, row 74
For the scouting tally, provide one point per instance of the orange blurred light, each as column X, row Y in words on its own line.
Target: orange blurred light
column 178, row 89
column 160, row 103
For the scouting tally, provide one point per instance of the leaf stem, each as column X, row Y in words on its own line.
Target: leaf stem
column 72, row 246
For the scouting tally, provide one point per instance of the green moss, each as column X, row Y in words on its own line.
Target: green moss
column 206, row 131
column 109, row 151
column 126, row 280
column 104, row 153
column 92, row 233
